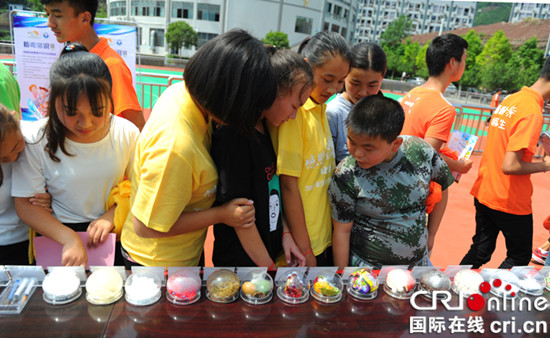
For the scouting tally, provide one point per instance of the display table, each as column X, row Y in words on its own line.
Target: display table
column 383, row 316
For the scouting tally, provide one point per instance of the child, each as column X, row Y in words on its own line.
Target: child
column 305, row 152
column 378, row 193
column 368, row 67
column 80, row 152
column 247, row 168
column 14, row 234
column 229, row 79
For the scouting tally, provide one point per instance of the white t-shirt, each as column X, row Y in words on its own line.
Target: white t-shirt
column 12, row 229
column 79, row 184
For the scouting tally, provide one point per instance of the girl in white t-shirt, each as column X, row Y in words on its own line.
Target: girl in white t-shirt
column 80, row 153
column 14, row 234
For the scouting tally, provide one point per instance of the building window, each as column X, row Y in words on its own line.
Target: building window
column 344, row 32
column 208, row 12
column 148, row 8
column 204, row 38
column 157, row 37
column 335, row 28
column 325, row 27
column 329, row 7
column 303, row 25
column 182, row 10
column 118, row 8
column 337, row 10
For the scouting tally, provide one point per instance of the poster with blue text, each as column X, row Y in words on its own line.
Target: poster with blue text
column 36, row 49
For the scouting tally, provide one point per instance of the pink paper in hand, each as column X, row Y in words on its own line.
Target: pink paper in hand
column 48, row 252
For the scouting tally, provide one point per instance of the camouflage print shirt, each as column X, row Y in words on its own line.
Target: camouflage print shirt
column 387, row 204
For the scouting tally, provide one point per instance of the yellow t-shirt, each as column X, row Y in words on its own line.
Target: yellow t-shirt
column 172, row 173
column 305, row 150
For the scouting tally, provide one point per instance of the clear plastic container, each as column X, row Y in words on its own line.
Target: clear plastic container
column 399, row 283
column 434, row 280
column 363, row 284
column 292, row 289
column 532, row 286
column 142, row 288
column 327, row 287
column 104, row 286
column 183, row 287
column 504, row 283
column 61, row 287
column 222, row 286
column 257, row 287
column 466, row 282
column 16, row 295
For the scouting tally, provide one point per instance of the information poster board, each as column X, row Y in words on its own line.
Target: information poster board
column 36, row 49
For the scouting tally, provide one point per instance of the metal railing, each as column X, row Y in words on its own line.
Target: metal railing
column 147, row 91
column 475, row 119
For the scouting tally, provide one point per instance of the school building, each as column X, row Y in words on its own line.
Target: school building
column 297, row 18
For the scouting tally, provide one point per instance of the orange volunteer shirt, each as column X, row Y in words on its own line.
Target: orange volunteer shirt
column 516, row 124
column 427, row 114
column 124, row 93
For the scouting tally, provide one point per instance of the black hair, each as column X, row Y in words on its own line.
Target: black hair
column 442, row 49
column 232, row 78
column 75, row 72
column 323, row 46
column 545, row 72
column 7, row 125
column 376, row 116
column 79, row 6
column 368, row 55
column 290, row 68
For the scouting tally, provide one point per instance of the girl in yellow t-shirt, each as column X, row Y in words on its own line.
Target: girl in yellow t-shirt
column 305, row 151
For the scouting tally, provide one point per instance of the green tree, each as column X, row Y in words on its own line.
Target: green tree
column 525, row 64
column 396, row 31
column 391, row 41
column 101, row 12
column 496, row 50
column 492, row 62
column 471, row 77
column 420, row 62
column 277, row 39
column 408, row 59
column 35, row 5
column 180, row 34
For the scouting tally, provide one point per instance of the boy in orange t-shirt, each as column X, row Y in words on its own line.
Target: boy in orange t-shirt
column 73, row 20
column 427, row 113
column 503, row 187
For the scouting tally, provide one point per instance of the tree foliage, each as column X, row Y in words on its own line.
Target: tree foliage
column 488, row 66
column 470, row 78
column 277, row 39
column 180, row 34
column 420, row 62
column 101, row 12
column 35, row 5
column 396, row 31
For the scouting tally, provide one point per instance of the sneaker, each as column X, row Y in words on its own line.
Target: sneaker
column 538, row 257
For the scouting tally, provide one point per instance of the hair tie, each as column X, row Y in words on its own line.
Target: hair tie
column 69, row 48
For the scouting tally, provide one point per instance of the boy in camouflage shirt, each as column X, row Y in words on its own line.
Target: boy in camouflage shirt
column 378, row 193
